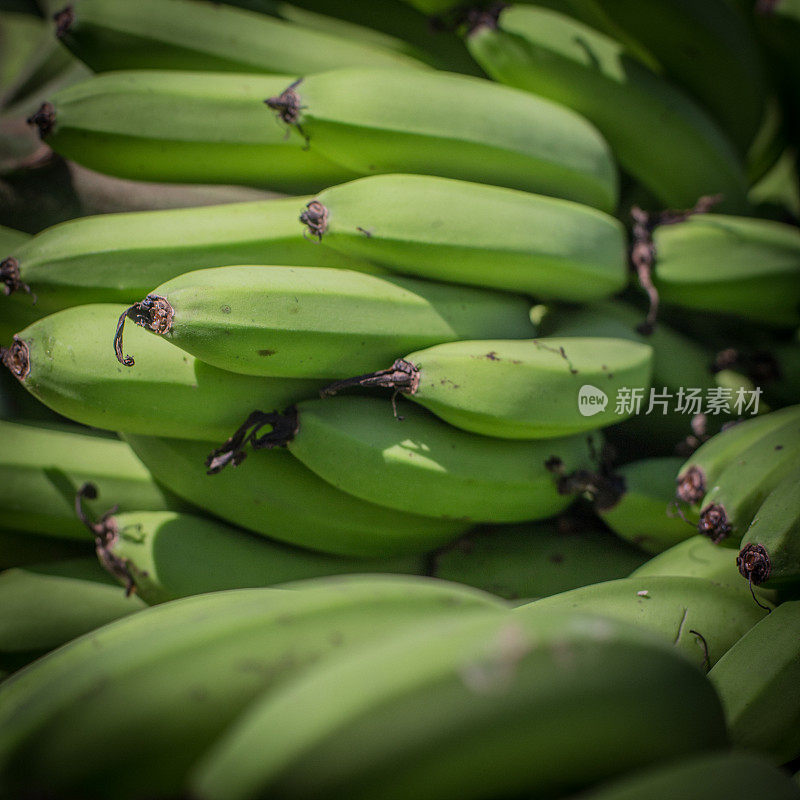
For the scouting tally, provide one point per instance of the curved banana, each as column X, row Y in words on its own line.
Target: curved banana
column 464, row 232
column 499, row 707
column 275, row 495
column 360, row 447
column 117, row 258
column 735, row 775
column 636, row 110
column 43, row 466
column 192, row 665
column 65, row 361
column 455, row 126
column 315, row 322
column 770, row 547
column 42, row 606
column 530, row 389
column 535, row 559
column 730, row 504
column 195, row 127
column 700, row 472
column 710, row 49
column 168, row 555
column 185, row 35
column 646, row 513
column 702, row 620
column 733, row 265
column 758, row 681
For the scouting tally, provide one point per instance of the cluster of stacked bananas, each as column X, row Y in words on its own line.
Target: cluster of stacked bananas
column 394, row 484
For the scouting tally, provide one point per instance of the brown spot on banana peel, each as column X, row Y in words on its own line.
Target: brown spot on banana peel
column 64, row 20
column 754, row 563
column 17, row 358
column 315, row 217
column 691, row 486
column 44, row 119
column 283, row 428
column 402, row 376
column 714, row 523
column 154, row 313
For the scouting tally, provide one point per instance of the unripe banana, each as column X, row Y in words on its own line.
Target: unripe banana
column 733, row 265
column 465, row 232
column 701, row 619
column 733, row 775
column 732, row 501
column 19, row 548
column 65, row 361
column 455, row 126
column 98, row 717
column 117, row 258
column 359, row 446
column 10, row 238
column 182, row 127
column 530, row 389
column 275, row 495
column 636, row 110
column 536, row 559
column 710, row 49
column 305, row 322
column 758, row 681
column 646, row 512
column 770, row 548
column 499, row 707
column 42, row 606
column 168, row 555
column 700, row 472
column 179, row 34
column 42, row 467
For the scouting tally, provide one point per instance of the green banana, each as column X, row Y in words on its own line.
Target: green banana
column 529, row 389
column 465, row 232
column 167, row 555
column 11, row 238
column 732, row 775
column 315, row 322
column 20, row 548
column 646, row 512
column 193, row 664
column 710, row 49
column 700, row 472
column 357, row 445
column 499, row 707
column 777, row 193
column 734, row 265
column 701, row 619
column 42, row 606
column 636, row 110
column 770, row 547
column 454, row 126
column 182, row 127
column 42, row 467
column 116, row 258
column 743, row 485
column 535, row 559
column 65, row 361
column 185, row 35
column 758, row 681
column 275, row 495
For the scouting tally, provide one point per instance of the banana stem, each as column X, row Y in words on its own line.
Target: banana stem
column 714, row 523
column 754, row 564
column 17, row 358
column 402, row 376
column 283, row 428
column 10, row 278
column 288, row 106
column 316, row 218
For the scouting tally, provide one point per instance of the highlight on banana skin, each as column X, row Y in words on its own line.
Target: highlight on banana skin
column 399, row 400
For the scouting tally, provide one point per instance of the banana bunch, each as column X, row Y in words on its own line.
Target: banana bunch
column 635, row 109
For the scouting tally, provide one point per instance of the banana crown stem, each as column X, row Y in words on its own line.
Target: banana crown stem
column 402, row 376
column 17, row 358
column 643, row 249
column 283, row 428
column 153, row 313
